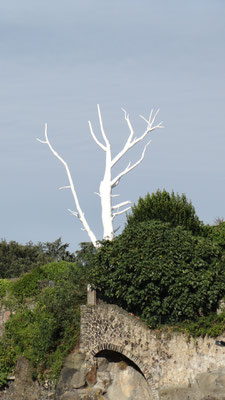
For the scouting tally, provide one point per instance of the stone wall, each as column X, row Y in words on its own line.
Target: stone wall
column 167, row 360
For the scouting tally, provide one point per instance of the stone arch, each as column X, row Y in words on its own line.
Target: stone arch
column 121, row 350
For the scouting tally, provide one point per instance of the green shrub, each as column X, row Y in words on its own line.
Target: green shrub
column 4, row 286
column 29, row 284
column 212, row 325
column 160, row 273
column 166, row 207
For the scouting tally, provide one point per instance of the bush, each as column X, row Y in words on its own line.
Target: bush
column 29, row 284
column 160, row 273
column 165, row 207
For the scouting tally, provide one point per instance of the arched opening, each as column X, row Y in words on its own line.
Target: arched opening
column 119, row 377
column 115, row 357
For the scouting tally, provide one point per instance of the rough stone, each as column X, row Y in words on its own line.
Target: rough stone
column 127, row 384
column 103, row 381
column 73, row 374
column 212, row 383
column 70, row 396
column 91, row 376
column 78, row 379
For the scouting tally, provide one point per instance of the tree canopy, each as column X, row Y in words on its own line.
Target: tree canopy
column 16, row 259
column 166, row 207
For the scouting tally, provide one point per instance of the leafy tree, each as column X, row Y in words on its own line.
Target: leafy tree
column 166, row 207
column 57, row 250
column 160, row 273
column 16, row 259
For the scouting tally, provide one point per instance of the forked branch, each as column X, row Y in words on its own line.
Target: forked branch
column 131, row 142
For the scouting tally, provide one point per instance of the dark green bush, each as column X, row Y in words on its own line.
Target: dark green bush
column 166, row 207
column 160, row 273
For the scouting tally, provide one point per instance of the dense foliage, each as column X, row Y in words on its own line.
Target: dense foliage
column 45, row 322
column 16, row 259
column 160, row 273
column 166, row 207
column 217, row 234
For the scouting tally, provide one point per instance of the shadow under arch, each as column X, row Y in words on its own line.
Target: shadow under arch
column 114, row 356
column 117, row 353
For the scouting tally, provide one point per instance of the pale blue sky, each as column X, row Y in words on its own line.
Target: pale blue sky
column 59, row 59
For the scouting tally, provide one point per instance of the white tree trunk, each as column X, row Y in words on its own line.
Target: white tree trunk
column 105, row 191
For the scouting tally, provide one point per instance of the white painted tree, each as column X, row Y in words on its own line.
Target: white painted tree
column 108, row 183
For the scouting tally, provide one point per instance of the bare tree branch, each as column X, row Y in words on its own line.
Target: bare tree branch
column 95, row 138
column 74, row 213
column 101, row 126
column 65, row 187
column 132, row 142
column 79, row 214
column 129, row 168
column 129, row 126
column 124, row 203
column 120, row 212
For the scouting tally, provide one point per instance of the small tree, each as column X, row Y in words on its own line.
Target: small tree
column 108, row 183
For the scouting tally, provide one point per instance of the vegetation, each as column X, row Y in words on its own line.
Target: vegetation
column 45, row 322
column 16, row 259
column 161, row 273
column 167, row 267
column 211, row 325
column 166, row 207
column 217, row 234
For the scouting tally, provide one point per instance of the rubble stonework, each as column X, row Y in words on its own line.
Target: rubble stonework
column 167, row 359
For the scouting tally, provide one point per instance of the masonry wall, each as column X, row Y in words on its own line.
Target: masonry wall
column 166, row 359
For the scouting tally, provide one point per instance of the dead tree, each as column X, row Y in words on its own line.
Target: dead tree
column 108, row 183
